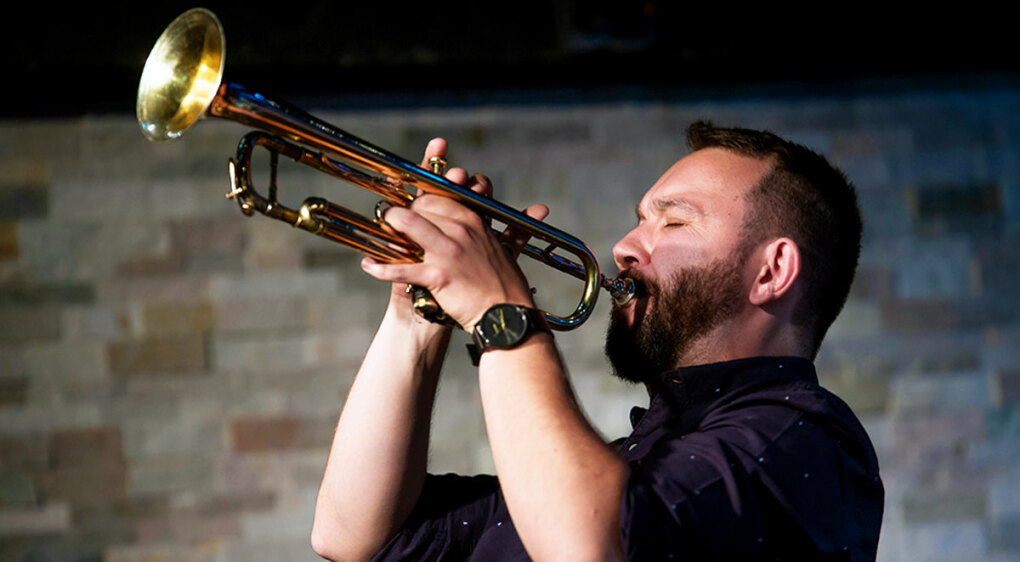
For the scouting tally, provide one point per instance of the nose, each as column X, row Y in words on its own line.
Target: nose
column 630, row 252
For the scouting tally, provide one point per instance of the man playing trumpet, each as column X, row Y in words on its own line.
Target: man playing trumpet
column 743, row 255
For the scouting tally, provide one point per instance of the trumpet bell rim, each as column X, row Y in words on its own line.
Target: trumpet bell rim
column 181, row 75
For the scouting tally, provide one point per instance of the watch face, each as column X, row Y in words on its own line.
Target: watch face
column 503, row 325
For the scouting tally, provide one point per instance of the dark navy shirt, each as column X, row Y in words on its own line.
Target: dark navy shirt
column 743, row 460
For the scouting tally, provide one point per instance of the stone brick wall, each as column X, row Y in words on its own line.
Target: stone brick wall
column 170, row 370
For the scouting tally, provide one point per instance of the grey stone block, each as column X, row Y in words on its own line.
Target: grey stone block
column 17, row 488
column 941, row 392
column 23, row 203
column 168, row 474
column 13, row 390
column 44, row 519
column 1004, row 536
column 34, row 295
column 58, row 365
column 945, row 505
column 939, row 542
column 273, row 284
column 24, row 323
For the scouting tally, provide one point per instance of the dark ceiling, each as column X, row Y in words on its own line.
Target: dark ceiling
column 82, row 59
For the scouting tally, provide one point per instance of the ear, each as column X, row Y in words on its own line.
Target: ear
column 780, row 268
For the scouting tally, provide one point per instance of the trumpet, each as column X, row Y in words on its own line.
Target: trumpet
column 182, row 82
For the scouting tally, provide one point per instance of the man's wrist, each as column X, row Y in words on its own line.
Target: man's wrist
column 505, row 326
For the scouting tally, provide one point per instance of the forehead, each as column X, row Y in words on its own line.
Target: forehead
column 708, row 180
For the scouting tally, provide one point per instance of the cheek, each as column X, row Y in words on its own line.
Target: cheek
column 669, row 256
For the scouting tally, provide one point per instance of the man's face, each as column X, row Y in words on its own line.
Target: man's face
column 689, row 261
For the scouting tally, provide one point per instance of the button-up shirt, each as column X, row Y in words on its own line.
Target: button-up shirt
column 743, row 460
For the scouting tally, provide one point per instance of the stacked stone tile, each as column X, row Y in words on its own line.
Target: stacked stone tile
column 171, row 371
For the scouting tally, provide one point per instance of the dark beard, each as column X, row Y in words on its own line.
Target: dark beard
column 688, row 306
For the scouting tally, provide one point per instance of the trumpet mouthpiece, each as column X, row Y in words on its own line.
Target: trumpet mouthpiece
column 621, row 289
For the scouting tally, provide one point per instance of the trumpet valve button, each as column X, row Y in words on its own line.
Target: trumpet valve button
column 438, row 165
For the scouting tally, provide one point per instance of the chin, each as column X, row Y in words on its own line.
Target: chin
column 629, row 359
column 624, row 315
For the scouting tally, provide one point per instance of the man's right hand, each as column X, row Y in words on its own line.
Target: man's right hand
column 401, row 300
column 438, row 211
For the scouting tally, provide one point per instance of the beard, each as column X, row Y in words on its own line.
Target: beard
column 684, row 308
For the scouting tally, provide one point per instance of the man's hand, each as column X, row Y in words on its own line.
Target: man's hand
column 467, row 266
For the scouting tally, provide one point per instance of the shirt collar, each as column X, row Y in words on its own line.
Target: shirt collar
column 689, row 391
column 691, row 386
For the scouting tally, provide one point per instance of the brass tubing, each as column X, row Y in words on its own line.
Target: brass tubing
column 237, row 103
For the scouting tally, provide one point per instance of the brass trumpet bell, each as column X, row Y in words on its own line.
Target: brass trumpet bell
column 182, row 82
column 181, row 75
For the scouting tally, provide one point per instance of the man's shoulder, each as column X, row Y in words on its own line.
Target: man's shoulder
column 751, row 454
column 796, row 411
column 754, row 428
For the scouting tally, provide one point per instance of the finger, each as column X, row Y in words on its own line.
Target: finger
column 515, row 238
column 451, row 216
column 414, row 274
column 480, row 184
column 421, row 227
column 436, row 147
column 458, row 176
column 537, row 211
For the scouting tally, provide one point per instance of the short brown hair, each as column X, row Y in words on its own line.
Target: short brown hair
column 807, row 199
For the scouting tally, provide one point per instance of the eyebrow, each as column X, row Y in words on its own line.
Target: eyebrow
column 668, row 203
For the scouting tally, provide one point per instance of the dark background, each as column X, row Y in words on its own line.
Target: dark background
column 81, row 58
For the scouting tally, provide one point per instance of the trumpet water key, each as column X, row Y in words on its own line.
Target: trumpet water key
column 182, row 82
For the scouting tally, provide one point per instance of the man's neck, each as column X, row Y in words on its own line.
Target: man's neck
column 756, row 336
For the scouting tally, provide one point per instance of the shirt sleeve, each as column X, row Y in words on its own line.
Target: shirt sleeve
column 686, row 501
column 447, row 521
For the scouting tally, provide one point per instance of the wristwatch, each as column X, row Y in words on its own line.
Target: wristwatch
column 505, row 326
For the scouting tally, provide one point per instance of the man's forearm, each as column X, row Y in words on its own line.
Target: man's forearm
column 378, row 457
column 562, row 484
